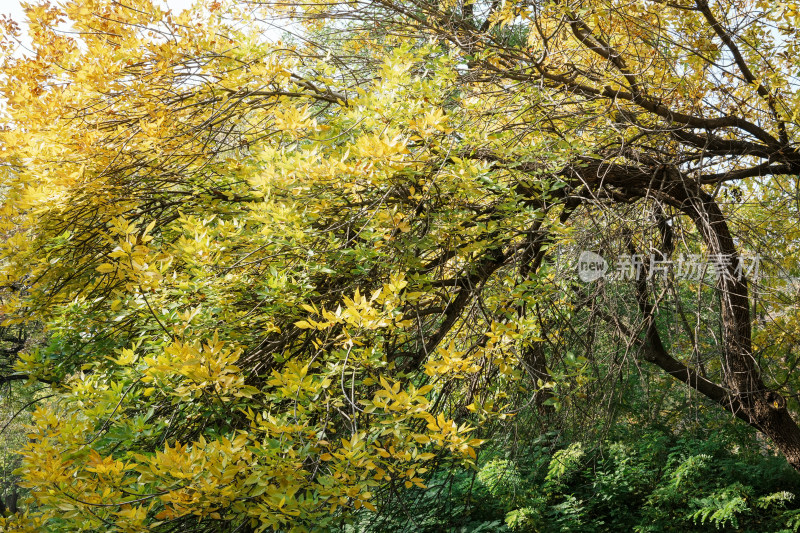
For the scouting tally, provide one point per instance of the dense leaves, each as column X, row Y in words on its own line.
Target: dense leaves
column 641, row 481
column 284, row 280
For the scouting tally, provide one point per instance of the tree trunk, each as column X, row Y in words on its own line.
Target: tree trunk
column 764, row 409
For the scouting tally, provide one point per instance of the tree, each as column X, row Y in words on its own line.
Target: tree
column 279, row 278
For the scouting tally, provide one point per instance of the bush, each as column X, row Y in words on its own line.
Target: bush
column 634, row 480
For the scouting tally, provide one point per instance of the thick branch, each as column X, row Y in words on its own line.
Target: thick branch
column 722, row 33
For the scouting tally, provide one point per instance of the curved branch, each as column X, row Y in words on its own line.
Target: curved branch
column 722, row 33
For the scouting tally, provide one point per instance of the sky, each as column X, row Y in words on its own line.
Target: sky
column 14, row 8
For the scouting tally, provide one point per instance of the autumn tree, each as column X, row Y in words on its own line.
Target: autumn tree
column 280, row 277
column 661, row 104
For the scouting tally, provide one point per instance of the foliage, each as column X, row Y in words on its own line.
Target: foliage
column 282, row 281
column 635, row 480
